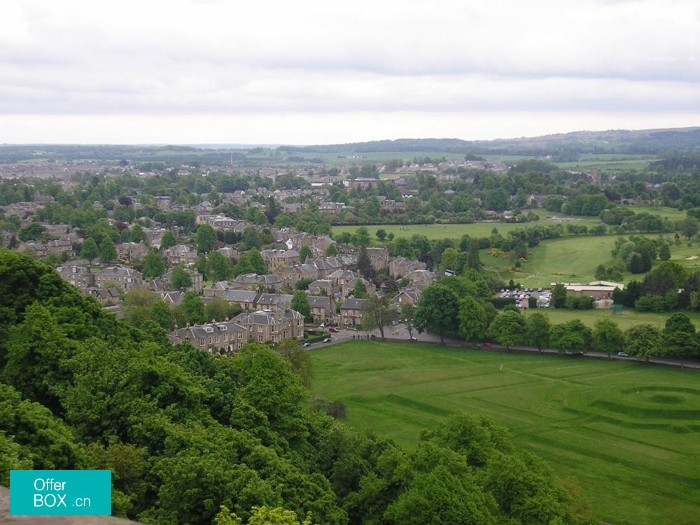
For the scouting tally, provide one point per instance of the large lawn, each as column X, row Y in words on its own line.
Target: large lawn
column 630, row 433
column 625, row 319
column 456, row 231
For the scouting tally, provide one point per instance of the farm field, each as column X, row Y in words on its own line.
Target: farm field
column 628, row 432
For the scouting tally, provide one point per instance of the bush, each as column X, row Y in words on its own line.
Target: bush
column 315, row 337
column 649, row 303
column 579, row 302
column 502, row 302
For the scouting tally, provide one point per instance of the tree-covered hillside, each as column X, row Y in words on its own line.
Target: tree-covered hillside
column 185, row 432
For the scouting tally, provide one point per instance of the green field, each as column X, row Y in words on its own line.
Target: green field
column 625, row 319
column 608, row 163
column 456, row 231
column 628, row 432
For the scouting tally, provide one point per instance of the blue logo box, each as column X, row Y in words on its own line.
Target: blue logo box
column 60, row 492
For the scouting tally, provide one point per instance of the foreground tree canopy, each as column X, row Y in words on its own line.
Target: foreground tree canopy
column 190, row 436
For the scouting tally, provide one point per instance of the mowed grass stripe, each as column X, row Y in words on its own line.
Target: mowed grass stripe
column 629, row 432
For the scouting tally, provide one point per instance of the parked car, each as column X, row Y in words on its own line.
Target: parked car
column 327, row 340
column 306, row 345
column 622, row 354
column 333, row 329
column 486, row 345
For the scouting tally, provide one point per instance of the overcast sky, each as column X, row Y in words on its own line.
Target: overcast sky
column 319, row 72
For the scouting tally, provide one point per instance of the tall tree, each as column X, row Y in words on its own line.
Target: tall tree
column 108, row 252
column 538, row 327
column 299, row 360
column 473, row 260
column 679, row 337
column 300, row 303
column 559, row 295
column 364, row 264
column 304, row 253
column 607, row 337
column 180, row 279
column 219, row 310
column 360, row 290
column 448, row 259
column 205, row 237
column 472, row 319
column 378, row 313
column 408, row 316
column 153, row 264
column 161, row 315
column 192, row 308
column 361, row 238
column 256, row 261
column 437, row 311
column 137, row 304
column 572, row 336
column 168, row 240
column 643, row 341
column 688, row 227
column 219, row 267
column 508, row 328
column 89, row 249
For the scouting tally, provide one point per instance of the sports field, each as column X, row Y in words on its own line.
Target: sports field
column 630, row 433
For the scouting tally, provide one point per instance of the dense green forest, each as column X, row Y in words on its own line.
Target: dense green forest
column 185, row 432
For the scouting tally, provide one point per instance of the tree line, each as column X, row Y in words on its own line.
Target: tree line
column 456, row 307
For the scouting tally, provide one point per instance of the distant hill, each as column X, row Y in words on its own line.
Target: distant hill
column 648, row 142
column 563, row 146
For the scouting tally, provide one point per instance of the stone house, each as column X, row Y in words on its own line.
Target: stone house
column 379, row 257
column 222, row 337
column 59, row 246
column 106, row 296
column 79, row 276
column 130, row 252
column 181, row 254
column 217, row 289
column 273, row 301
column 421, row 279
column 119, row 277
column 401, row 266
column 407, row 296
column 279, row 258
column 351, row 312
column 252, row 281
column 272, row 327
column 246, row 299
column 322, row 308
column 323, row 287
